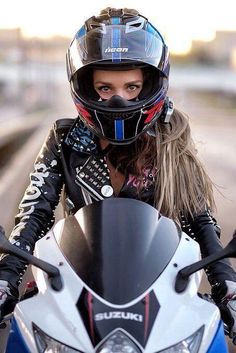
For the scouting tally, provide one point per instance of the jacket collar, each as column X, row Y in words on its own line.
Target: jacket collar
column 81, row 139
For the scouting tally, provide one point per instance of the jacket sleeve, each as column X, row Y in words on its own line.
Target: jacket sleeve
column 36, row 210
column 204, row 229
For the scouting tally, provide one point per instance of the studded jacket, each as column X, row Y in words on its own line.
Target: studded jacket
column 67, row 148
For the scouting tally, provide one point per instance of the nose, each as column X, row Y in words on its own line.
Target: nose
column 121, row 93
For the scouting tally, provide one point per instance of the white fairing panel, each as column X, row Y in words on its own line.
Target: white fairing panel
column 179, row 316
column 54, row 312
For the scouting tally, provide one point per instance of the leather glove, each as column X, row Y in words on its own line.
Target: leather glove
column 7, row 299
column 225, row 298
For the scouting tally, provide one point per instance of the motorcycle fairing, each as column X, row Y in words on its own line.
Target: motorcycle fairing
column 100, row 319
column 15, row 341
column 218, row 344
column 100, row 229
column 56, row 313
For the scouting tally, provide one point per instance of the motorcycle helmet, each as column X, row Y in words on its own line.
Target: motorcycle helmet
column 119, row 39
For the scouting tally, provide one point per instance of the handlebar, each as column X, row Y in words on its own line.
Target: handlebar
column 230, row 334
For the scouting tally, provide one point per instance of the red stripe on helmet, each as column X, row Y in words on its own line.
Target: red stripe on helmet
column 85, row 114
column 151, row 112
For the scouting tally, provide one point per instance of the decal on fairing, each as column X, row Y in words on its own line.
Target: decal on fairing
column 118, row 315
column 218, row 344
column 101, row 319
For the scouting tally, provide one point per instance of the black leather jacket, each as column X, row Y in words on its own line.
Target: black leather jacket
column 67, row 147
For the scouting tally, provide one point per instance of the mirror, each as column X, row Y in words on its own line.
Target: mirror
column 53, row 272
column 183, row 275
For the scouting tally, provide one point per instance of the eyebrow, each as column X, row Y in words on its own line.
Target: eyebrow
column 110, row 83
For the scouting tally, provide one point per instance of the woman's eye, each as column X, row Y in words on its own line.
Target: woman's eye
column 104, row 88
column 133, row 87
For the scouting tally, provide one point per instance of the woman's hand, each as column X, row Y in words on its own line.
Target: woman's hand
column 227, row 306
column 7, row 299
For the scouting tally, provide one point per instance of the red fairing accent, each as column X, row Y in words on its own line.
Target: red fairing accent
column 31, row 284
column 146, row 316
column 86, row 115
column 90, row 312
column 151, row 112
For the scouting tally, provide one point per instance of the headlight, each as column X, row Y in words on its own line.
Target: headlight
column 189, row 345
column 119, row 342
column 46, row 344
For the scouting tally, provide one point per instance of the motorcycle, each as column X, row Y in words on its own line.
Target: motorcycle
column 116, row 277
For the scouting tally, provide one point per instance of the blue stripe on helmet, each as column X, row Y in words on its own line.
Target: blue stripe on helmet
column 119, row 129
column 81, row 32
column 115, row 20
column 151, row 29
column 116, row 57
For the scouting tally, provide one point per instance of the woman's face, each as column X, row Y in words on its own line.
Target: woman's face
column 126, row 84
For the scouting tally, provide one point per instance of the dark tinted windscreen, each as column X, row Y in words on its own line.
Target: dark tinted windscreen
column 118, row 247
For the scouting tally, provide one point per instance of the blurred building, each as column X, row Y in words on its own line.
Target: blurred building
column 30, row 69
column 10, row 42
column 220, row 51
column 48, row 50
column 15, row 47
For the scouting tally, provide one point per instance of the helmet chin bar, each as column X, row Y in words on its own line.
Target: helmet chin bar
column 130, row 140
column 121, row 130
column 121, row 127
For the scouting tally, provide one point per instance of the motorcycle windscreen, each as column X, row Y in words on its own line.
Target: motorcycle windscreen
column 119, row 247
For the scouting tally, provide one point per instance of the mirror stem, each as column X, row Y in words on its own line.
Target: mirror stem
column 183, row 275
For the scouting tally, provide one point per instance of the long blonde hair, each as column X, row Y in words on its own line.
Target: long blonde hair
column 182, row 185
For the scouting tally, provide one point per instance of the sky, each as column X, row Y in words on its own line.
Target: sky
column 180, row 21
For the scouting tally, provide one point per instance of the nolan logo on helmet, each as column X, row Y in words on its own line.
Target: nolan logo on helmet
column 116, row 50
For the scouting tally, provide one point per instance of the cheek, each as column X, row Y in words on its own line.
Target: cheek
column 100, row 93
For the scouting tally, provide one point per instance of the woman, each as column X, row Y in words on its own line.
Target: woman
column 127, row 141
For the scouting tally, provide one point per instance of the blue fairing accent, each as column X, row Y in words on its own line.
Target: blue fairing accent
column 218, row 344
column 16, row 343
column 116, row 39
column 119, row 129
